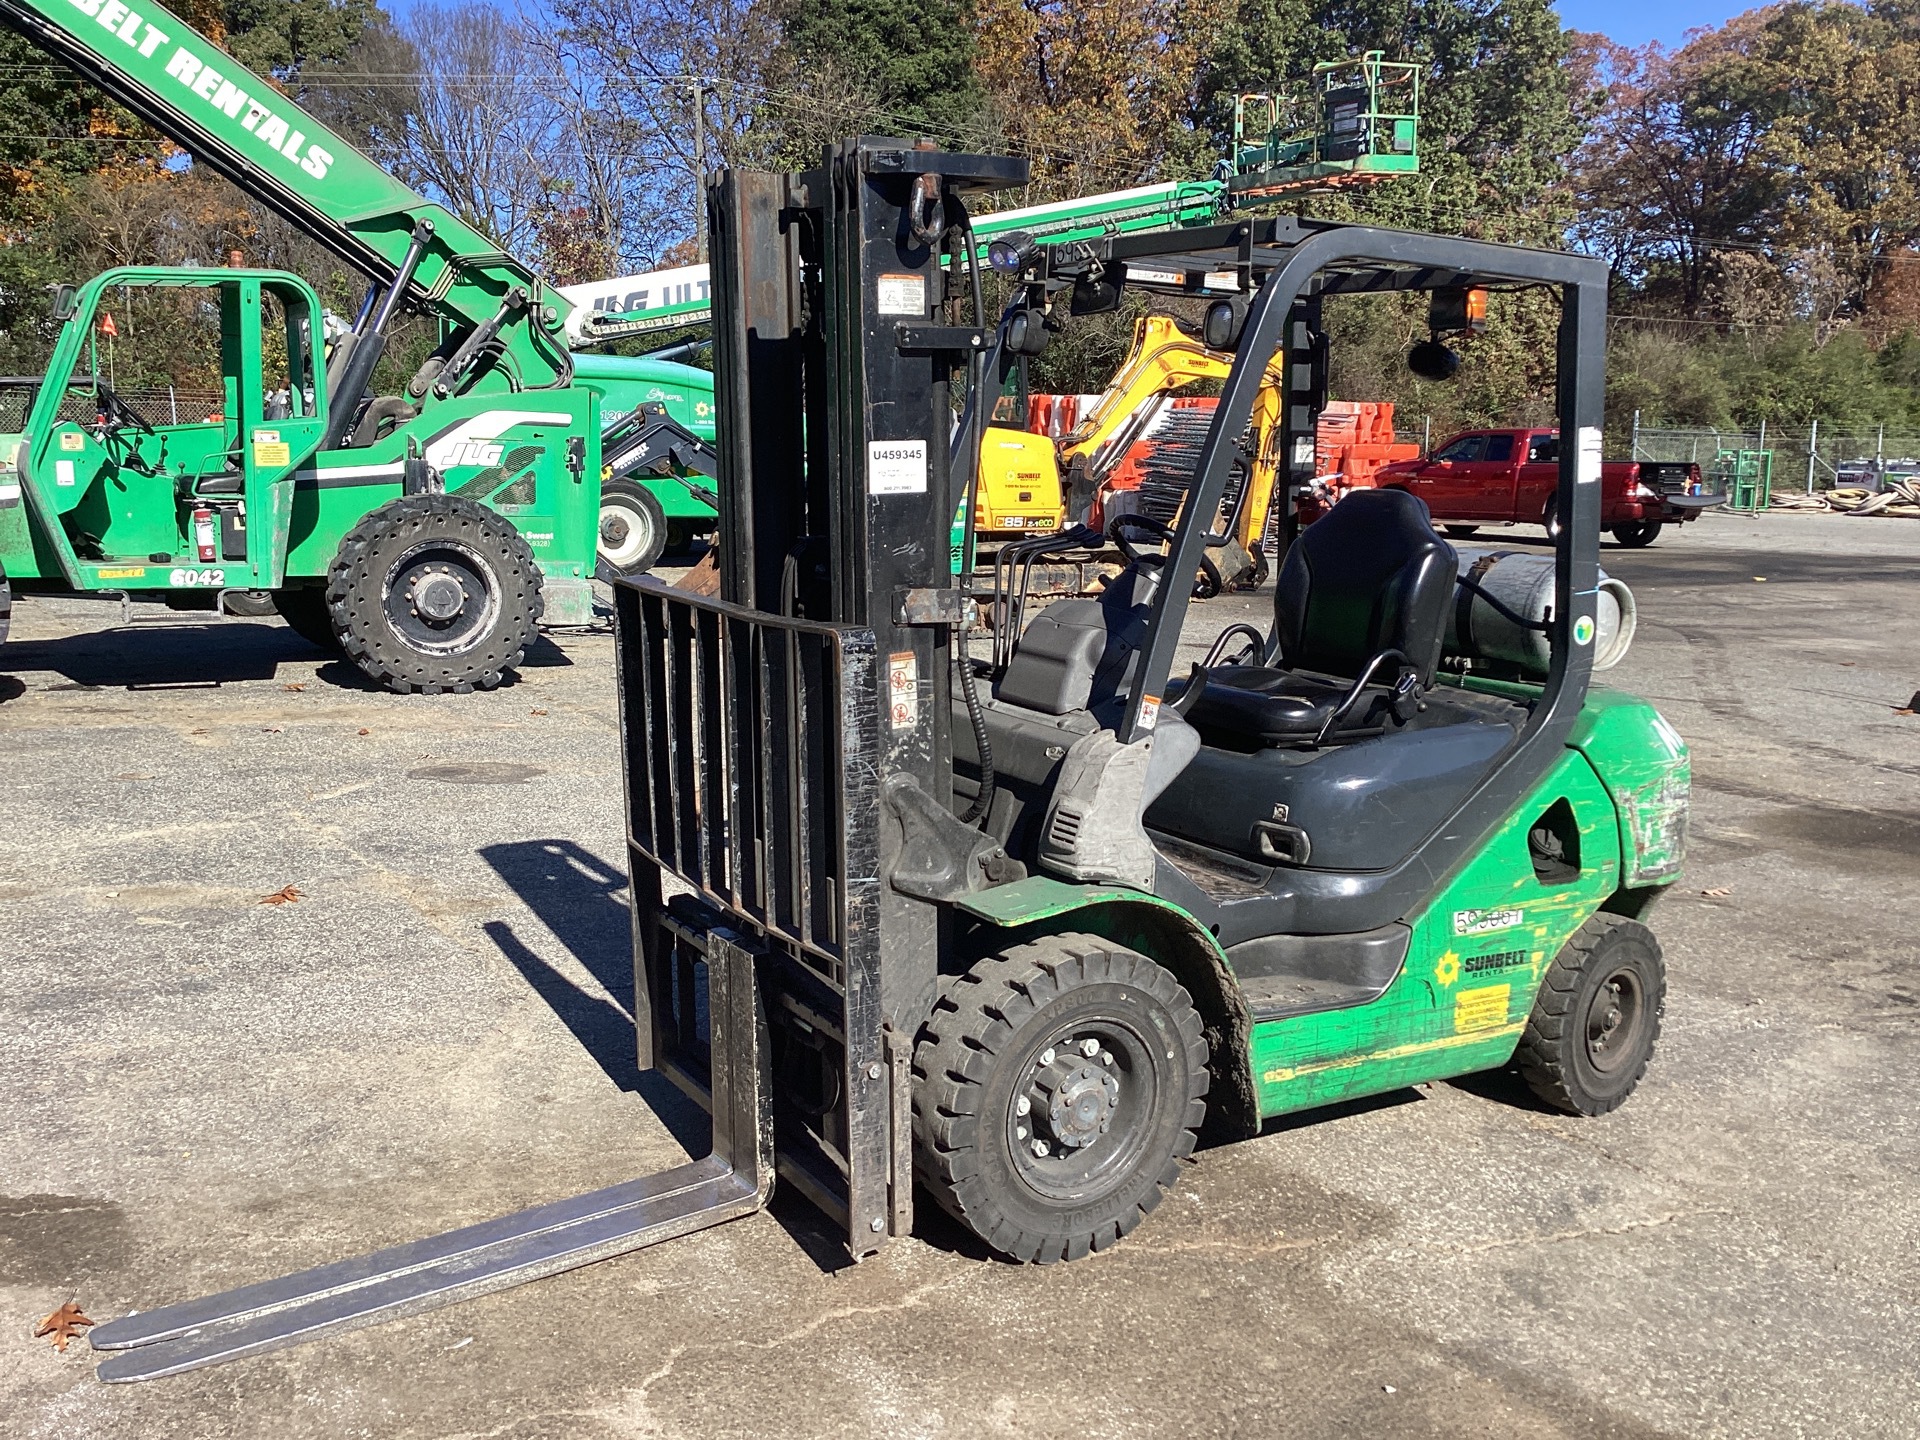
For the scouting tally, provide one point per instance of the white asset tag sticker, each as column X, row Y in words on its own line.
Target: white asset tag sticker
column 896, row 467
column 1588, row 472
column 903, row 295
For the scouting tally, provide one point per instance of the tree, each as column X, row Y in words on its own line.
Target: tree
column 910, row 65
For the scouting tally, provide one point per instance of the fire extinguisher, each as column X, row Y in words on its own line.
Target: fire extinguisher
column 205, row 538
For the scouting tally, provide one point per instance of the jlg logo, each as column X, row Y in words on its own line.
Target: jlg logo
column 473, row 452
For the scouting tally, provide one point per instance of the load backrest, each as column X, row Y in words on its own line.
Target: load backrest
column 1372, row 575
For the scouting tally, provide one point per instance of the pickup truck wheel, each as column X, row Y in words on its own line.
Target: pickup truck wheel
column 1550, row 518
column 1461, row 532
column 1056, row 1089
column 434, row 593
column 1635, row 534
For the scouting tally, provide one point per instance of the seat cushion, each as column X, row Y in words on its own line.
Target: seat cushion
column 1245, row 706
column 230, row 484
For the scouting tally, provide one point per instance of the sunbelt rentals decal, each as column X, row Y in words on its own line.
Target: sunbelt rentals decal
column 219, row 82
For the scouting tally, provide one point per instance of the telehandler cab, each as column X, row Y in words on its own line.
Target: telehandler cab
column 1016, row 934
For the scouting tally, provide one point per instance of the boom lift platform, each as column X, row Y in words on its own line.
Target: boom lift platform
column 1014, row 932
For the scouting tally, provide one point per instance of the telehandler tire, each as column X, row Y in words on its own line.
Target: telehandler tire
column 1596, row 1017
column 304, row 608
column 1057, row 1087
column 435, row 594
column 633, row 528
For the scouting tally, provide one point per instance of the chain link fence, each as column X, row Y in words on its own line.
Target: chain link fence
column 155, row 404
column 1814, row 457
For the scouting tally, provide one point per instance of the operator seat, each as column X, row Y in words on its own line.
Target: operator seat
column 1359, row 617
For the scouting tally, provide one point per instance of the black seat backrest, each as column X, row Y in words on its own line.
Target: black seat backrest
column 1368, row 576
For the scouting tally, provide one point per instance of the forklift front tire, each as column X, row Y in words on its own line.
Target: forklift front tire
column 1596, row 1018
column 435, row 594
column 1057, row 1087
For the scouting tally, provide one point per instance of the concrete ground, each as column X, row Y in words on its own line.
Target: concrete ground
column 201, row 1090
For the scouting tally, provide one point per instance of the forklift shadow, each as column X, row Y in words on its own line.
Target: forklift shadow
column 582, row 901
column 11, row 689
column 151, row 655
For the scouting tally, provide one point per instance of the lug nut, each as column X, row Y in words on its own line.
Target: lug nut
column 1106, row 1057
column 1046, row 1056
column 1040, row 1149
column 1089, row 1048
column 1022, row 1105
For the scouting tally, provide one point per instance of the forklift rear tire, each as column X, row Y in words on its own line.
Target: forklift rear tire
column 435, row 594
column 304, row 608
column 1057, row 1087
column 633, row 528
column 1596, row 1018
column 1635, row 534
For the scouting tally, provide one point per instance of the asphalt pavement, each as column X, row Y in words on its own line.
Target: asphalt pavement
column 203, row 1090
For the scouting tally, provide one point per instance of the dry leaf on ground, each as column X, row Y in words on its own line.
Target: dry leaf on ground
column 285, row 895
column 300, row 686
column 63, row 1325
column 1718, row 890
column 366, row 732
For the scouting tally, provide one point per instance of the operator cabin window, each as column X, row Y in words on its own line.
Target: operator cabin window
column 1543, row 450
column 1467, row 447
column 1499, row 448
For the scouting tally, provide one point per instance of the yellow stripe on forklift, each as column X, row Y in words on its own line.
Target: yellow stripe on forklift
column 1397, row 1052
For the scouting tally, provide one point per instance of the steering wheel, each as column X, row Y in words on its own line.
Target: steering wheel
column 1207, row 583
column 115, row 412
column 1117, row 532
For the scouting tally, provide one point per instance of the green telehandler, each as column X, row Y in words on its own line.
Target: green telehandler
column 1013, row 933
column 424, row 533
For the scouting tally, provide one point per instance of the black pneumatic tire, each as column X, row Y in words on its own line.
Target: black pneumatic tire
column 1634, row 534
column 984, row 1050
column 304, row 608
column 633, row 528
column 1596, row 1019
column 1550, row 518
column 1461, row 532
column 434, row 593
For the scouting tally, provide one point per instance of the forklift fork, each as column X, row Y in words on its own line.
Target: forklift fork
column 736, row 1179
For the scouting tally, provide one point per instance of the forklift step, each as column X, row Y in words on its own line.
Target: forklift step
column 733, row 1181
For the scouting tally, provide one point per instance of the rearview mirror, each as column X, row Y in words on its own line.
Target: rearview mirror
column 66, row 302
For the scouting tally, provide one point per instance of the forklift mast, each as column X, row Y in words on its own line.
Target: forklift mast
column 815, row 695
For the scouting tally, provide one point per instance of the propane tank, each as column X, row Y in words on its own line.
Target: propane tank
column 1523, row 584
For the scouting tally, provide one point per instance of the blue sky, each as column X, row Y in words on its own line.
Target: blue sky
column 1634, row 22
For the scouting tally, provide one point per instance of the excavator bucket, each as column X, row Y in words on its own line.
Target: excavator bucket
column 734, row 1180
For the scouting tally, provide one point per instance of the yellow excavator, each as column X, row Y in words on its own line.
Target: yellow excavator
column 1033, row 484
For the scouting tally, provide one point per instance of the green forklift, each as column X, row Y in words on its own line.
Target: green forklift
column 1014, row 931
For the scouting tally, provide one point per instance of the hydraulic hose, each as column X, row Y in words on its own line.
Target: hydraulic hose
column 970, row 453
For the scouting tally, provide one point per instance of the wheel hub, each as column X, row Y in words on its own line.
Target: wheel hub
column 613, row 527
column 1073, row 1096
column 438, row 596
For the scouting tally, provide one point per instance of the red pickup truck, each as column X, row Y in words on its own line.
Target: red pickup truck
column 1508, row 477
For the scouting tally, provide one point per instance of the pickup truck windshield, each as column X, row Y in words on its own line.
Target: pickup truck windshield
column 1467, row 447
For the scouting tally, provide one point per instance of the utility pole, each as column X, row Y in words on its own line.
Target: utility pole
column 699, row 171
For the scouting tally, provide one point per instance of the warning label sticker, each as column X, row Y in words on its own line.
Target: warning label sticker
column 903, row 690
column 1480, row 1009
column 902, row 295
